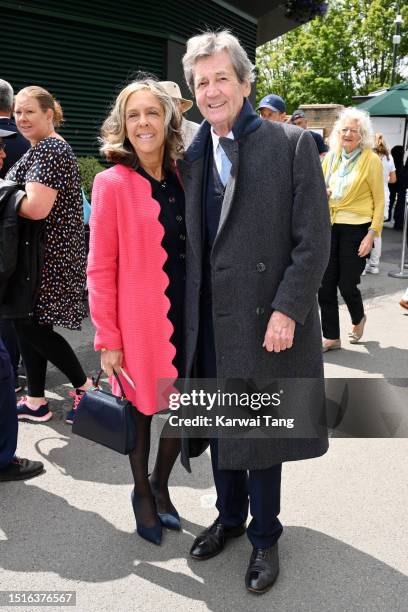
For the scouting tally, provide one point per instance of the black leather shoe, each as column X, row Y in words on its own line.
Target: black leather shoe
column 212, row 540
column 21, row 469
column 263, row 569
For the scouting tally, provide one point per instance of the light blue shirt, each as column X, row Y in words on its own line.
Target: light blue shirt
column 222, row 162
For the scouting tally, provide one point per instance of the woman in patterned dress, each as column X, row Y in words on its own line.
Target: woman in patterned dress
column 50, row 174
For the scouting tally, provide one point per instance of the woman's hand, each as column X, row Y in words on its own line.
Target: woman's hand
column 366, row 245
column 111, row 360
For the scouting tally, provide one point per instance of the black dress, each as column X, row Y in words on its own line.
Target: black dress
column 52, row 163
column 170, row 196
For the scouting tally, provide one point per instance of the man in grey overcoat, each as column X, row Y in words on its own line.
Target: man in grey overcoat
column 258, row 236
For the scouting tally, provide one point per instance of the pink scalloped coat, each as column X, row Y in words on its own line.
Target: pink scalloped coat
column 126, row 284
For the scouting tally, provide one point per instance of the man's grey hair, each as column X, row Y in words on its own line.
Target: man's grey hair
column 209, row 43
column 6, row 96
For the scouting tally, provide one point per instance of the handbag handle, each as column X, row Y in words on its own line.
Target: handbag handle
column 96, row 383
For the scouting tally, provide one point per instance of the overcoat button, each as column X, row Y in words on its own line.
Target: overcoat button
column 260, row 310
column 179, row 218
column 182, row 237
column 260, row 267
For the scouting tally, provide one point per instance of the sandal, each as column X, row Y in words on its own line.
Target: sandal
column 356, row 335
column 331, row 345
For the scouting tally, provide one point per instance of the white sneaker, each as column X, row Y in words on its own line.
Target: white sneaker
column 372, row 269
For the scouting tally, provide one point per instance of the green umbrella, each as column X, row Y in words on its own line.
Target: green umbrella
column 392, row 103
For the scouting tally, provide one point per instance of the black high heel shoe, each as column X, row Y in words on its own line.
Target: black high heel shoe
column 171, row 519
column 152, row 534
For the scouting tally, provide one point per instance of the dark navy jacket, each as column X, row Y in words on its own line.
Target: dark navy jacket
column 16, row 145
column 21, row 255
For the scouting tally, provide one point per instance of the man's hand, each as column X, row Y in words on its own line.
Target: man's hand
column 366, row 245
column 111, row 360
column 279, row 333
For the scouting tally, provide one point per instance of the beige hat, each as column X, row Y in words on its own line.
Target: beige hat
column 173, row 91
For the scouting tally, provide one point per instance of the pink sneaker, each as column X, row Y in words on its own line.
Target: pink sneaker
column 26, row 412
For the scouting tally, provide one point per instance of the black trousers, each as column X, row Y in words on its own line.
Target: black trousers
column 39, row 344
column 343, row 271
column 398, row 195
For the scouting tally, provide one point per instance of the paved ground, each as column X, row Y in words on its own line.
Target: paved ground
column 345, row 543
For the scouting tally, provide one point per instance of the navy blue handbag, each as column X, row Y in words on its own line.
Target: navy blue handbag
column 106, row 419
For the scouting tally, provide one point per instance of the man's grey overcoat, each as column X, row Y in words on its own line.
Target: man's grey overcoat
column 270, row 253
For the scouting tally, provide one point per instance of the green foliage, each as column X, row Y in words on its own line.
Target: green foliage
column 329, row 60
column 88, row 168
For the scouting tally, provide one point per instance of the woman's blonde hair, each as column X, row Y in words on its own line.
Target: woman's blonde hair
column 45, row 100
column 380, row 147
column 364, row 126
column 115, row 144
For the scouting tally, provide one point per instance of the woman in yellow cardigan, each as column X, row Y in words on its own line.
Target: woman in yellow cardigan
column 354, row 182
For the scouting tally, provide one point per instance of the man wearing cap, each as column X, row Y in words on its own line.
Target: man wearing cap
column 272, row 108
column 188, row 128
column 11, row 467
column 299, row 118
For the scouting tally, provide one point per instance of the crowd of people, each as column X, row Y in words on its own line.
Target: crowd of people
column 200, row 264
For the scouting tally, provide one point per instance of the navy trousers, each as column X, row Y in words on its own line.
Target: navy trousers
column 240, row 490
column 9, row 337
column 8, row 412
column 237, row 490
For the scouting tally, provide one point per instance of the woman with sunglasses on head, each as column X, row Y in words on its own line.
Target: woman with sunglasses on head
column 354, row 180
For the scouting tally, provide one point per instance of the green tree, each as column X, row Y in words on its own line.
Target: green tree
column 329, row 60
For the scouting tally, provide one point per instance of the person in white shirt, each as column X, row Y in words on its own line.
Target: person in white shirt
column 389, row 175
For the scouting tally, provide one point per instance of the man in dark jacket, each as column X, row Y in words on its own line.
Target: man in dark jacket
column 258, row 236
column 11, row 467
column 17, row 145
column 299, row 118
column 7, row 331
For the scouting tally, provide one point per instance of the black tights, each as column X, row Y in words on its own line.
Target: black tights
column 168, row 452
column 39, row 344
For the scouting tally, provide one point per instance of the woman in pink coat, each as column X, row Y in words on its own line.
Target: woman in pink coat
column 136, row 277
